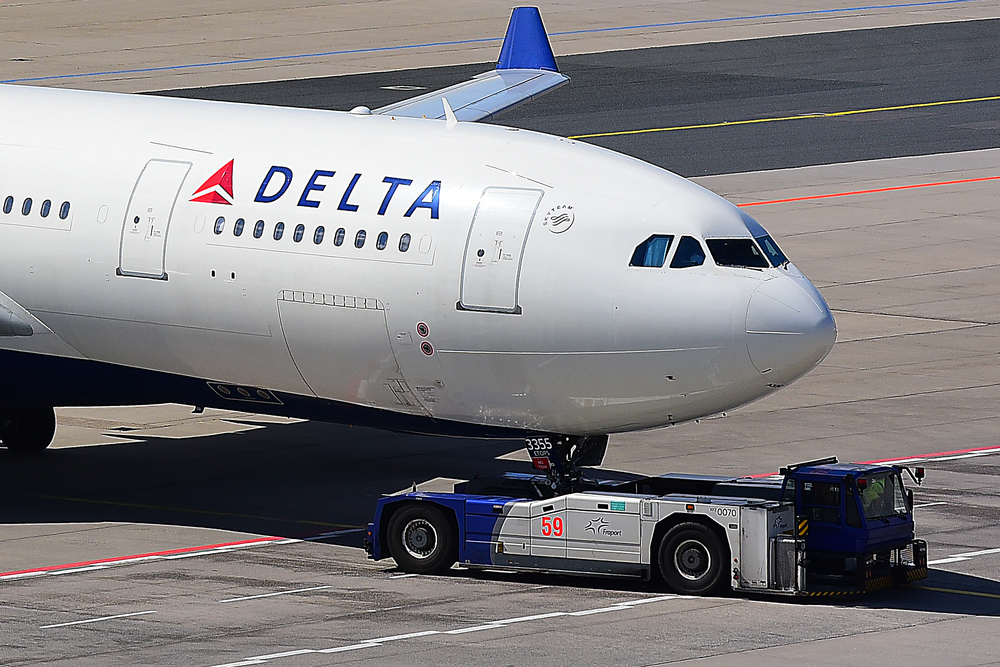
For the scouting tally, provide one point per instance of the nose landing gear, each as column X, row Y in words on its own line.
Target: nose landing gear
column 561, row 456
column 27, row 430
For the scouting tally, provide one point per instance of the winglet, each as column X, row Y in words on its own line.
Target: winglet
column 526, row 46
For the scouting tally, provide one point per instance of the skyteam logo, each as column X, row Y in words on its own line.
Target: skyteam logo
column 218, row 189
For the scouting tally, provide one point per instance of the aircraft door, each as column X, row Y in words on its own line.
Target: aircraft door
column 147, row 219
column 492, row 264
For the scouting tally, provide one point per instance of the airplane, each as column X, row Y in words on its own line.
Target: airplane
column 405, row 268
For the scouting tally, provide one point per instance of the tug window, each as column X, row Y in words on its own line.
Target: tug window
column 652, row 252
column 689, row 253
column 736, row 252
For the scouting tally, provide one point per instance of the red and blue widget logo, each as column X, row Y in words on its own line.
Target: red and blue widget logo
column 218, row 189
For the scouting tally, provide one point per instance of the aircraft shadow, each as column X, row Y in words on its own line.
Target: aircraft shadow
column 288, row 480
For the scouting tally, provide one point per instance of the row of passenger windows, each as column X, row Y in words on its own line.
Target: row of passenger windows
column 726, row 252
column 317, row 237
column 43, row 210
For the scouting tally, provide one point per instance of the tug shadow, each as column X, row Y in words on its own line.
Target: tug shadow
column 288, row 480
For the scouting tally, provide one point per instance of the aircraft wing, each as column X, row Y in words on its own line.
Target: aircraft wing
column 525, row 70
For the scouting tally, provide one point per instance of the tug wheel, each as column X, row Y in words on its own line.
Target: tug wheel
column 691, row 559
column 421, row 539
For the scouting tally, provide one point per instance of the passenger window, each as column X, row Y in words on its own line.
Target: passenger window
column 652, row 252
column 46, row 207
column 404, row 243
column 279, row 231
column 822, row 501
column 383, row 239
column 238, row 227
column 64, row 210
column 736, row 252
column 318, row 236
column 338, row 238
column 300, row 231
column 26, row 206
column 220, row 224
column 8, row 204
column 689, row 253
column 258, row 229
column 359, row 240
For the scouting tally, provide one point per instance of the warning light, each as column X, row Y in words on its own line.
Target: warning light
column 863, row 483
column 920, row 473
column 689, row 507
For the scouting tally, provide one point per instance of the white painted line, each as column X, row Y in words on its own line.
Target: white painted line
column 588, row 612
column 372, row 611
column 494, row 625
column 81, row 569
column 475, row 628
column 290, row 540
column 95, row 620
column 536, row 617
column 403, row 576
column 940, row 502
column 943, row 561
column 972, row 554
column 412, row 635
column 22, row 575
column 271, row 595
column 352, row 647
column 190, row 555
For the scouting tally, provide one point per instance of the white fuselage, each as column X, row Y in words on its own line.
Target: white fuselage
column 550, row 329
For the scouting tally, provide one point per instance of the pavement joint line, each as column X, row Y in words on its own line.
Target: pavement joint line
column 271, row 595
column 923, row 505
column 95, row 620
column 491, row 625
column 778, row 119
column 487, row 40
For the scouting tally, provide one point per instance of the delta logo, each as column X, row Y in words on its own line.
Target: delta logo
column 218, row 189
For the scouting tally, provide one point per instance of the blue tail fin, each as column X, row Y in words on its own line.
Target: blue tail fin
column 526, row 46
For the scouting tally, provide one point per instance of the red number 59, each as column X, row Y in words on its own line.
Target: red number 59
column 552, row 526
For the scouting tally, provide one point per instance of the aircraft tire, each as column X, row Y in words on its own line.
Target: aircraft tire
column 421, row 539
column 691, row 559
column 27, row 430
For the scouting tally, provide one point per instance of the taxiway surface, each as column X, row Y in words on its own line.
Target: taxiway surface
column 152, row 536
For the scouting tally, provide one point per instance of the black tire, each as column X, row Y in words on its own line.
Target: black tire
column 692, row 559
column 27, row 430
column 421, row 539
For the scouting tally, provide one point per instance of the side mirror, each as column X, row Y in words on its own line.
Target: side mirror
column 909, row 499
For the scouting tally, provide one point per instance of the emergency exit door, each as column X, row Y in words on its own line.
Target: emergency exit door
column 147, row 219
column 492, row 265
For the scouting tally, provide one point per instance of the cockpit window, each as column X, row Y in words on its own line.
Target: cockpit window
column 689, row 253
column 651, row 252
column 736, row 252
column 772, row 251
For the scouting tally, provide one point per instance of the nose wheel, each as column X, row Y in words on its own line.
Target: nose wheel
column 560, row 457
column 27, row 430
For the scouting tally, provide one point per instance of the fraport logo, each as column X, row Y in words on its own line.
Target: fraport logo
column 599, row 526
column 218, row 189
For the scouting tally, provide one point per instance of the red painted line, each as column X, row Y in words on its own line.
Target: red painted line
column 868, row 192
column 125, row 559
column 928, row 457
column 936, row 454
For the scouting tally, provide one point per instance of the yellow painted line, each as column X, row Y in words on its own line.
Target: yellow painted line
column 807, row 116
column 958, row 592
column 195, row 511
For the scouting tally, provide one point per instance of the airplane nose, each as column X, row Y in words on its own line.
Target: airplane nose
column 789, row 328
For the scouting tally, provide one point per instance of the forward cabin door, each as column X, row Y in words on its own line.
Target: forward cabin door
column 492, row 265
column 147, row 219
